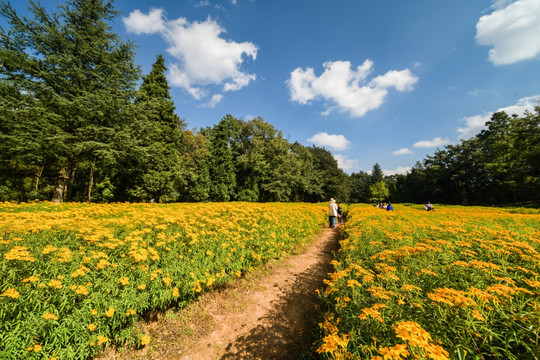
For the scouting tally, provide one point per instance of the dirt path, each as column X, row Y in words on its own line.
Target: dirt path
column 270, row 314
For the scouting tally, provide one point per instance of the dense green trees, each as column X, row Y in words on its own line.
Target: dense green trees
column 500, row 165
column 159, row 135
column 77, row 122
column 67, row 85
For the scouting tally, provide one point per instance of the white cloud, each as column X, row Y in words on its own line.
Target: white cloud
column 438, row 141
column 400, row 170
column 512, row 30
column 214, row 100
column 346, row 87
column 346, row 164
column 335, row 142
column 139, row 23
column 204, row 57
column 474, row 124
column 402, row 151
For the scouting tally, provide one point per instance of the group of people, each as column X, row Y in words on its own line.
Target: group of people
column 384, row 206
column 334, row 211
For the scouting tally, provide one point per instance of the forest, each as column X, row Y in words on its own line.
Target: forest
column 80, row 122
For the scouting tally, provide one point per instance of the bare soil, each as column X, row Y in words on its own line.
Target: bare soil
column 270, row 314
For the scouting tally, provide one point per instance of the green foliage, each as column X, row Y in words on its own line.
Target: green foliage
column 66, row 91
column 76, row 277
column 378, row 192
column 459, row 283
column 160, row 140
column 500, row 165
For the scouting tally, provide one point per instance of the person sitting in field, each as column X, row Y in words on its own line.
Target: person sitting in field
column 428, row 206
column 389, row 207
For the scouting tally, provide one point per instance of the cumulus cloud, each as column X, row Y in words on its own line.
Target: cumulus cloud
column 474, row 124
column 438, row 141
column 139, row 23
column 400, row 170
column 346, row 164
column 203, row 56
column 214, row 100
column 347, row 88
column 335, row 142
column 512, row 30
column 402, row 151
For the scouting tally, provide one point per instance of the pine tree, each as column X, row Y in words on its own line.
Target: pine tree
column 222, row 170
column 72, row 80
column 159, row 174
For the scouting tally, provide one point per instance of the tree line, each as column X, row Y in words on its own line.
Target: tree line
column 75, row 125
column 80, row 122
column 498, row 166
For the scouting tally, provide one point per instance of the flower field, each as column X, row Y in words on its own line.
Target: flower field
column 455, row 283
column 75, row 277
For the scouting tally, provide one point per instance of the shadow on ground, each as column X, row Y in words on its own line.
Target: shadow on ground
column 289, row 328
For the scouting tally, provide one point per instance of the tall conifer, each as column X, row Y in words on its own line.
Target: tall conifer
column 160, row 172
column 71, row 81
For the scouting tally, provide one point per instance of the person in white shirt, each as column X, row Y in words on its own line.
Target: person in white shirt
column 332, row 212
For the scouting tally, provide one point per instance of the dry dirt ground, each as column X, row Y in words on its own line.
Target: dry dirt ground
column 270, row 314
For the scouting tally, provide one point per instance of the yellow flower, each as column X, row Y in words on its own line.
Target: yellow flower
column 175, row 292
column 395, row 352
column 332, row 342
column 50, row 316
column 12, row 293
column 93, row 312
column 33, row 278
column 49, row 249
column 409, row 287
column 91, row 327
column 413, row 333
column 372, row 312
column 35, row 348
column 130, row 312
column 79, row 289
column 124, row 280
column 477, row 315
column 19, row 253
column 141, row 287
column 145, row 340
column 437, row 352
column 110, row 312
column 55, row 284
column 101, row 339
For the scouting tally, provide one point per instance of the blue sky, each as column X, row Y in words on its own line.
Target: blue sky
column 372, row 81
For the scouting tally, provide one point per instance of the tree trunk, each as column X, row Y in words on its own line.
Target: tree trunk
column 69, row 184
column 61, row 186
column 39, row 172
column 91, row 180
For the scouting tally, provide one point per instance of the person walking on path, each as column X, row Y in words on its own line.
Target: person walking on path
column 332, row 212
column 339, row 213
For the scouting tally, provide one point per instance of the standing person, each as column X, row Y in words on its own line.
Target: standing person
column 332, row 212
column 389, row 207
column 339, row 212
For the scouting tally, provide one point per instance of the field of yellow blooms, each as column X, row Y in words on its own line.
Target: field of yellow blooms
column 74, row 277
column 454, row 283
